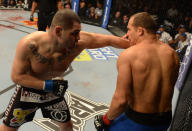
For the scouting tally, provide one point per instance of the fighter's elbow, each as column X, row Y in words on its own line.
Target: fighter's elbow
column 16, row 78
column 121, row 102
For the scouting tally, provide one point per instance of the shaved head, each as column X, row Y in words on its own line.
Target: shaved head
column 144, row 20
column 65, row 18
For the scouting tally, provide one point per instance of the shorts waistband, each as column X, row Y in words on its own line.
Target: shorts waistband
column 161, row 118
column 31, row 89
column 35, row 96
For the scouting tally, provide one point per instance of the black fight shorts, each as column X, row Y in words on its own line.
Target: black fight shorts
column 25, row 102
column 152, row 119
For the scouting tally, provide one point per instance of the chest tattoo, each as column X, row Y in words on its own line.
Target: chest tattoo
column 40, row 58
column 62, row 57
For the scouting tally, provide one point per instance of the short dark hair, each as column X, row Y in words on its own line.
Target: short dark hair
column 144, row 19
column 65, row 18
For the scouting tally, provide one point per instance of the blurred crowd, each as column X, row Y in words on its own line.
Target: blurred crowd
column 12, row 4
column 174, row 17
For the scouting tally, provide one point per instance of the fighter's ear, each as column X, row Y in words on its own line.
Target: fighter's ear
column 140, row 30
column 58, row 30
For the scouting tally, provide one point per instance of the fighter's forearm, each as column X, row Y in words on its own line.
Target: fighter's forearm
column 116, row 108
column 28, row 81
column 94, row 40
column 118, row 42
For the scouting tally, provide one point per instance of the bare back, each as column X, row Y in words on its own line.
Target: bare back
column 154, row 70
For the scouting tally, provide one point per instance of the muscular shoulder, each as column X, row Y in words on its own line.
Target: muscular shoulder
column 166, row 49
column 28, row 43
column 127, row 56
column 131, row 52
column 168, row 53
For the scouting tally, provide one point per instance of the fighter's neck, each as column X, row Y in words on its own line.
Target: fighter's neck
column 147, row 39
column 53, row 45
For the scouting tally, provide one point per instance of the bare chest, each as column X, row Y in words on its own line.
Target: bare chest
column 52, row 66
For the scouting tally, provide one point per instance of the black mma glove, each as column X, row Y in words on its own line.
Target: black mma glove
column 101, row 122
column 58, row 87
column 31, row 18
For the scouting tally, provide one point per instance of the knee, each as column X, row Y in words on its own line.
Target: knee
column 3, row 127
column 67, row 126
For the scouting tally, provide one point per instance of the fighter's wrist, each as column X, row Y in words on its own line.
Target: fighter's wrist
column 106, row 120
column 48, row 85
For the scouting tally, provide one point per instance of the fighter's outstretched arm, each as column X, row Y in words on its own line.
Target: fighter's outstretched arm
column 95, row 40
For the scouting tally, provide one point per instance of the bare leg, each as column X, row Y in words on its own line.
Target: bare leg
column 3, row 127
column 67, row 126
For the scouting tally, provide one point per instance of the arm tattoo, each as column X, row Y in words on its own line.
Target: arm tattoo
column 38, row 56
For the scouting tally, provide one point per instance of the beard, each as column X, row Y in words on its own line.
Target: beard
column 73, row 44
column 70, row 46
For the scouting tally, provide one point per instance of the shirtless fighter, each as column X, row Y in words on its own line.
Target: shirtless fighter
column 147, row 73
column 42, row 56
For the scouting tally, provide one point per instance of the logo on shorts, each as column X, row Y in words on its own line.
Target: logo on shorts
column 59, row 115
column 61, row 87
column 28, row 96
column 82, row 109
column 58, row 111
column 19, row 116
